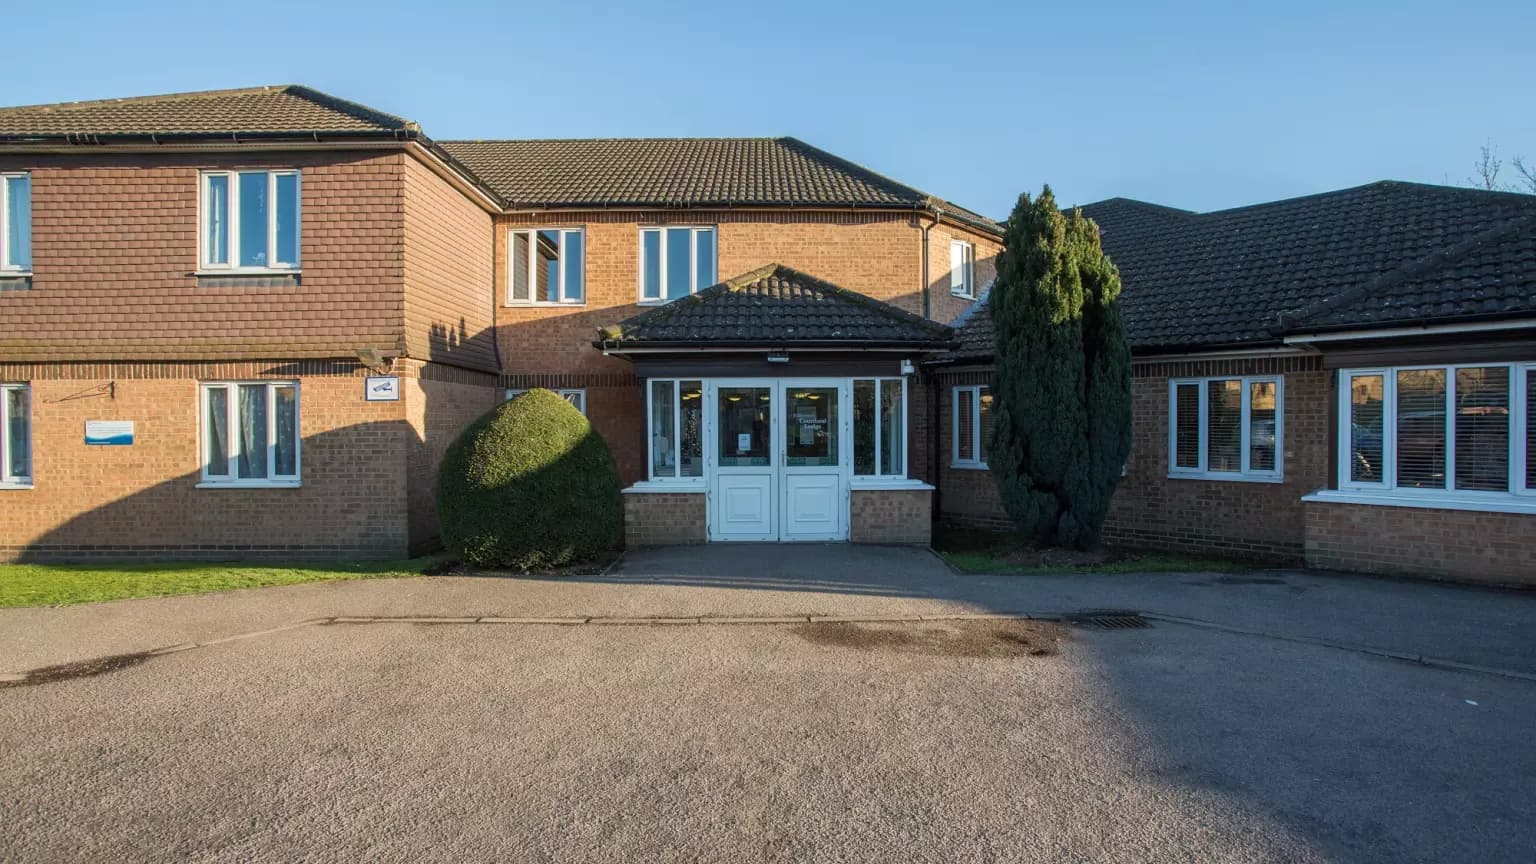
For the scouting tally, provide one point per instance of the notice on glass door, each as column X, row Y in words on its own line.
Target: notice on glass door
column 744, row 442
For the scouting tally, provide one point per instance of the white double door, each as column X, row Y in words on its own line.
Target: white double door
column 778, row 457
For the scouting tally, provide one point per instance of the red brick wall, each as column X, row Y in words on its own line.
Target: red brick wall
column 903, row 516
column 967, row 496
column 143, row 499
column 663, row 519
column 114, row 248
column 448, row 273
column 1498, row 548
column 946, row 306
column 439, row 402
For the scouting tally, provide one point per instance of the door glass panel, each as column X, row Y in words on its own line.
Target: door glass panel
column 691, row 410
column 810, row 416
column 744, row 430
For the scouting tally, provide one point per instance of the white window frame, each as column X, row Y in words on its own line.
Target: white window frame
column 7, row 479
column 232, row 229
column 677, row 479
column 6, row 267
column 878, row 476
column 698, row 281
column 533, row 254
column 1246, row 474
column 232, row 480
column 1519, row 498
column 971, row 392
column 962, row 269
column 575, row 395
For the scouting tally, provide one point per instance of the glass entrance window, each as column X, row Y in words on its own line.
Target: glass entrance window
column 810, row 417
column 744, row 426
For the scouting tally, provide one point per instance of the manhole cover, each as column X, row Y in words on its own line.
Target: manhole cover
column 1108, row 619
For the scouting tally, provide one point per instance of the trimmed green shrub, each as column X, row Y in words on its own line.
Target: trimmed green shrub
column 529, row 485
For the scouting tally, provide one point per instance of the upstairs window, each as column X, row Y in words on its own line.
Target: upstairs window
column 15, row 435
column 545, row 266
column 577, row 398
column 1457, row 433
column 15, row 223
column 250, row 220
column 880, row 428
column 1225, row 428
column 675, row 262
column 250, row 433
column 971, row 427
column 962, row 269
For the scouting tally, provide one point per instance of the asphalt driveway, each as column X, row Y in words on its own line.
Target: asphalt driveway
column 924, row 740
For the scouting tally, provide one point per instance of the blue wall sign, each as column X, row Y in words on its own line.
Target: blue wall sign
column 383, row 388
column 114, row 433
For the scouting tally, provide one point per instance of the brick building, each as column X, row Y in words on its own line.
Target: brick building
column 1345, row 379
column 248, row 323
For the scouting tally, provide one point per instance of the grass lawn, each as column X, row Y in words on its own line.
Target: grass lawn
column 988, row 552
column 64, row 584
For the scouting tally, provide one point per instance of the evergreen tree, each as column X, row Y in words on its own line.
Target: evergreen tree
column 1061, row 386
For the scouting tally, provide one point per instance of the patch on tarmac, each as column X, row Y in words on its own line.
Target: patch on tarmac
column 950, row 639
column 82, row 669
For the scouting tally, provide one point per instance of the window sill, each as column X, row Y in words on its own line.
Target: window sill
column 968, row 466
column 15, row 486
column 1225, row 477
column 652, row 487
column 962, row 296
column 544, row 304
column 247, row 484
column 894, row 484
column 1494, row 503
column 250, row 271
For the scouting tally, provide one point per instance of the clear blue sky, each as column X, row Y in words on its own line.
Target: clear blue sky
column 1194, row 106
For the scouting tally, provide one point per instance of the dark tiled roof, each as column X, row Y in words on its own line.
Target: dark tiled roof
column 277, row 110
column 773, row 306
column 973, row 331
column 1228, row 277
column 686, row 172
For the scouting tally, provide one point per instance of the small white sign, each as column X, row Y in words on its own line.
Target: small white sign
column 110, row 433
column 383, row 388
column 744, row 442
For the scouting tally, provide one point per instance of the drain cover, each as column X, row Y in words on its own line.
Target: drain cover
column 1108, row 619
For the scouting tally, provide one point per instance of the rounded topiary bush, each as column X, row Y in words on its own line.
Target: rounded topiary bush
column 529, row 485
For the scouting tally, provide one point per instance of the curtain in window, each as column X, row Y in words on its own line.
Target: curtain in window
column 18, row 445
column 1482, row 429
column 663, row 435
column 1224, row 426
column 216, row 244
column 1186, row 409
column 18, row 204
column 1366, row 428
column 965, row 426
column 252, row 463
column 1421, row 428
column 218, row 432
column 893, row 449
column 285, row 450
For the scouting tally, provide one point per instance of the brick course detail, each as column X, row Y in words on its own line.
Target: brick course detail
column 663, row 519
column 1468, row 546
column 902, row 516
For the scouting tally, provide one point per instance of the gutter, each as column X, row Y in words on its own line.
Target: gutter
column 1484, row 324
column 612, row 347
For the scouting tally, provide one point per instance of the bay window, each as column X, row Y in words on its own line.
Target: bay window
column 880, row 428
column 15, row 435
column 15, row 223
column 545, row 266
column 675, row 262
column 250, row 433
column 1226, row 428
column 675, row 421
column 249, row 220
column 971, row 426
column 1457, row 434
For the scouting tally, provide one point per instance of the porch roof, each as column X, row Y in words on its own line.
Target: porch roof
column 776, row 307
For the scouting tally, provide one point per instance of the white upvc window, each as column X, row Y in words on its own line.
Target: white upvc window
column 577, row 397
column 1227, row 428
column 880, row 428
column 962, row 269
column 15, row 223
column 249, row 221
column 676, row 261
column 674, row 410
column 250, row 433
column 546, row 267
column 1455, row 435
column 15, row 435
column 970, row 426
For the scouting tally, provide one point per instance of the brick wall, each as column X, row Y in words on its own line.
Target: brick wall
column 663, row 519
column 1496, row 548
column 439, row 403
column 114, row 248
column 945, row 305
column 967, row 497
column 902, row 516
column 143, row 500
column 448, row 273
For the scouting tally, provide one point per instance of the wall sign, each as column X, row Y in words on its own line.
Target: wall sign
column 114, row 433
column 382, row 388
